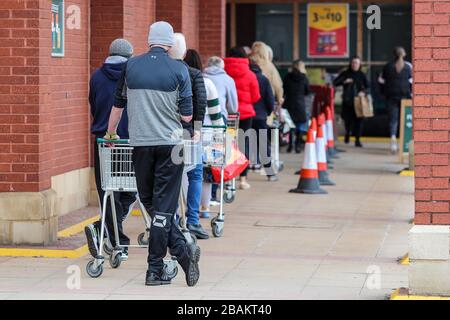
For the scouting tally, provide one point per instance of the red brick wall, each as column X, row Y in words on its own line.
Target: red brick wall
column 183, row 16
column 19, row 96
column 171, row 12
column 190, row 23
column 138, row 15
column 212, row 24
column 431, row 101
column 69, row 98
column 106, row 25
column 44, row 112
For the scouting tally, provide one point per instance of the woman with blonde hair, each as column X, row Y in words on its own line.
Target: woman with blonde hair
column 261, row 55
column 296, row 87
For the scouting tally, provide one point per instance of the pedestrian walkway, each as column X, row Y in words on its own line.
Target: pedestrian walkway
column 276, row 245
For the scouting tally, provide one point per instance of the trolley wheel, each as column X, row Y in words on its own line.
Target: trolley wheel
column 92, row 271
column 217, row 229
column 228, row 196
column 170, row 272
column 115, row 260
column 107, row 248
column 142, row 240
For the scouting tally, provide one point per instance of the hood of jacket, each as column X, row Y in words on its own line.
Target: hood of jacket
column 213, row 71
column 112, row 70
column 236, row 67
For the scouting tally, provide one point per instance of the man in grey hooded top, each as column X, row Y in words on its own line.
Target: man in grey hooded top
column 225, row 85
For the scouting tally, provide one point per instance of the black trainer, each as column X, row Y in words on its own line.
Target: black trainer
column 198, row 231
column 92, row 239
column 190, row 265
column 153, row 279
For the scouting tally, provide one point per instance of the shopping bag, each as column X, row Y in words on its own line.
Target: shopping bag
column 236, row 164
column 363, row 107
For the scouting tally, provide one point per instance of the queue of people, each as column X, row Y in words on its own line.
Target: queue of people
column 154, row 110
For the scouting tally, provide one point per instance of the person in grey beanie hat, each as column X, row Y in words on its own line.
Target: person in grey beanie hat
column 102, row 88
column 158, row 102
column 121, row 47
column 161, row 33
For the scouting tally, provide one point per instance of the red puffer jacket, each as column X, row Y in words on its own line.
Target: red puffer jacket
column 246, row 85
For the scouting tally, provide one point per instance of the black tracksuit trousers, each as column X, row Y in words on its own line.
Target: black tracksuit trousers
column 122, row 200
column 158, row 181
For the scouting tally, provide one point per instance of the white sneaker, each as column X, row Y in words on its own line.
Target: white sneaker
column 244, row 185
column 394, row 146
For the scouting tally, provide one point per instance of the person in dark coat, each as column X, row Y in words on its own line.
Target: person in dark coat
column 396, row 78
column 263, row 108
column 199, row 102
column 102, row 88
column 296, row 87
column 355, row 83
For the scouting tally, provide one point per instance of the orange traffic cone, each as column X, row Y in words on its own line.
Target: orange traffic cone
column 309, row 175
column 313, row 127
column 330, row 133
column 322, row 166
column 321, row 122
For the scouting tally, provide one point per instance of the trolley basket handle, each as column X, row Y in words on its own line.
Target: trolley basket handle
column 101, row 140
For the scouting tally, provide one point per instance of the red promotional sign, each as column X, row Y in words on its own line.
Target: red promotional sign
column 328, row 30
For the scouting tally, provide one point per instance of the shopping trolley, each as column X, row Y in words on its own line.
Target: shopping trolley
column 216, row 147
column 277, row 164
column 117, row 175
column 229, row 193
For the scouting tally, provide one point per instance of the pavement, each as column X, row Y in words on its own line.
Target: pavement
column 276, row 245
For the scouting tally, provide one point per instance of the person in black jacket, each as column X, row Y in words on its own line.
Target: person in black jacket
column 396, row 78
column 355, row 83
column 102, row 88
column 263, row 108
column 199, row 103
column 296, row 87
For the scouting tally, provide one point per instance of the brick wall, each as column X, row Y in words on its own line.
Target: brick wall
column 183, row 16
column 170, row 11
column 19, row 96
column 138, row 15
column 44, row 112
column 212, row 25
column 190, row 24
column 431, row 101
column 106, row 25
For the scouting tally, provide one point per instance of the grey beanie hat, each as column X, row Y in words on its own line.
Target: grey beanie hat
column 161, row 33
column 121, row 47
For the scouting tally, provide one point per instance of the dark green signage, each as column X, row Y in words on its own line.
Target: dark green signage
column 57, row 28
column 407, row 123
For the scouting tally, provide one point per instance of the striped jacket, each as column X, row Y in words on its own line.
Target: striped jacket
column 213, row 112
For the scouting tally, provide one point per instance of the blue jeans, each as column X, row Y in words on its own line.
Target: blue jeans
column 194, row 194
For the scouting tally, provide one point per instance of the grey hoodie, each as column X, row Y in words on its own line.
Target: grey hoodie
column 226, row 89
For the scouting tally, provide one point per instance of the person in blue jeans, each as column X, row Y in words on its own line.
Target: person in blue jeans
column 199, row 103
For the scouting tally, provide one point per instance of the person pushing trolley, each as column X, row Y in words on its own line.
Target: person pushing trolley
column 157, row 92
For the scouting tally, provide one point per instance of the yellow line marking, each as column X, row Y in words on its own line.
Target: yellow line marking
column 77, row 228
column 136, row 212
column 44, row 253
column 367, row 139
column 407, row 173
column 397, row 295
column 404, row 261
